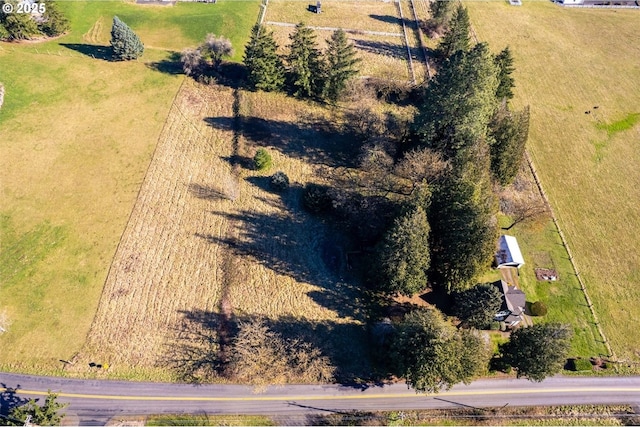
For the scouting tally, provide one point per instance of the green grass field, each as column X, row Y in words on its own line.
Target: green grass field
column 77, row 136
column 578, row 70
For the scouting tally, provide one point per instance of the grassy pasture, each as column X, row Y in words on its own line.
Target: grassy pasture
column 542, row 247
column 568, row 62
column 77, row 137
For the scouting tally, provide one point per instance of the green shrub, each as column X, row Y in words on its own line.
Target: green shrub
column 262, row 159
column 494, row 326
column 539, row 308
column 279, row 181
column 580, row 365
column 316, row 198
column 607, row 365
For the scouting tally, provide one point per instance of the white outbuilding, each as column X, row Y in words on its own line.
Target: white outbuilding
column 509, row 254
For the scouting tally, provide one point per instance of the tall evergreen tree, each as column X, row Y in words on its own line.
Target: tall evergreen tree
column 538, row 351
column 441, row 12
column 341, row 64
column 305, row 62
column 124, row 42
column 478, row 305
column 404, row 255
column 54, row 22
column 458, row 103
column 457, row 36
column 509, row 132
column 504, row 62
column 17, row 26
column 463, row 225
column 265, row 67
column 431, row 354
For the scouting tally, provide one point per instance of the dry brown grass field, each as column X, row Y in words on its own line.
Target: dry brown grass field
column 357, row 15
column 578, row 70
column 383, row 55
column 208, row 242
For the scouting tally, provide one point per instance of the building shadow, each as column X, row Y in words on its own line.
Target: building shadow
column 104, row 53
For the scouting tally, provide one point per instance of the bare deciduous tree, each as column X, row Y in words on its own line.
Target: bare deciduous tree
column 191, row 61
column 262, row 357
column 216, row 48
column 522, row 202
column 422, row 165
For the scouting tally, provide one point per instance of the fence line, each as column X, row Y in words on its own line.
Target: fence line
column 263, row 11
column 406, row 42
column 420, row 40
column 583, row 287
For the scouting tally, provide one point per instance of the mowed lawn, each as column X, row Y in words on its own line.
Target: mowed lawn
column 579, row 71
column 77, row 137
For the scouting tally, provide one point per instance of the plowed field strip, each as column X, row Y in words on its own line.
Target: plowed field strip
column 163, row 270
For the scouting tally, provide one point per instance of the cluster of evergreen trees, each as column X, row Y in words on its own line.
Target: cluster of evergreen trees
column 463, row 119
column 446, row 233
column 24, row 26
column 305, row 71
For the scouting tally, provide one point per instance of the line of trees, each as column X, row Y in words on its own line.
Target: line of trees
column 465, row 143
column 305, row 71
column 465, row 127
column 25, row 26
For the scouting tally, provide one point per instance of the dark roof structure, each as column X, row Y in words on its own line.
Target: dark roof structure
column 514, row 299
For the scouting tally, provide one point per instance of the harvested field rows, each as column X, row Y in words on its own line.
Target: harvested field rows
column 209, row 244
column 163, row 270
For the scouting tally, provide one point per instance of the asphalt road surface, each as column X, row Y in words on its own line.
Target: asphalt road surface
column 94, row 402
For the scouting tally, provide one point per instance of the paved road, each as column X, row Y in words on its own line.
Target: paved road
column 95, row 401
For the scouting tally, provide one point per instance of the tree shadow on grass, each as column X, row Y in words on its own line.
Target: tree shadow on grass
column 97, row 52
column 205, row 192
column 310, row 138
column 195, row 355
column 298, row 245
column 388, row 19
column 392, row 50
column 170, row 65
column 9, row 399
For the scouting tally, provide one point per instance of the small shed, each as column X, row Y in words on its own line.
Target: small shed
column 508, row 254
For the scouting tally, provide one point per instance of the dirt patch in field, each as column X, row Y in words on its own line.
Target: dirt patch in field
column 546, row 274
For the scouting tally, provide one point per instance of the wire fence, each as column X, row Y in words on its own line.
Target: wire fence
column 556, row 223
